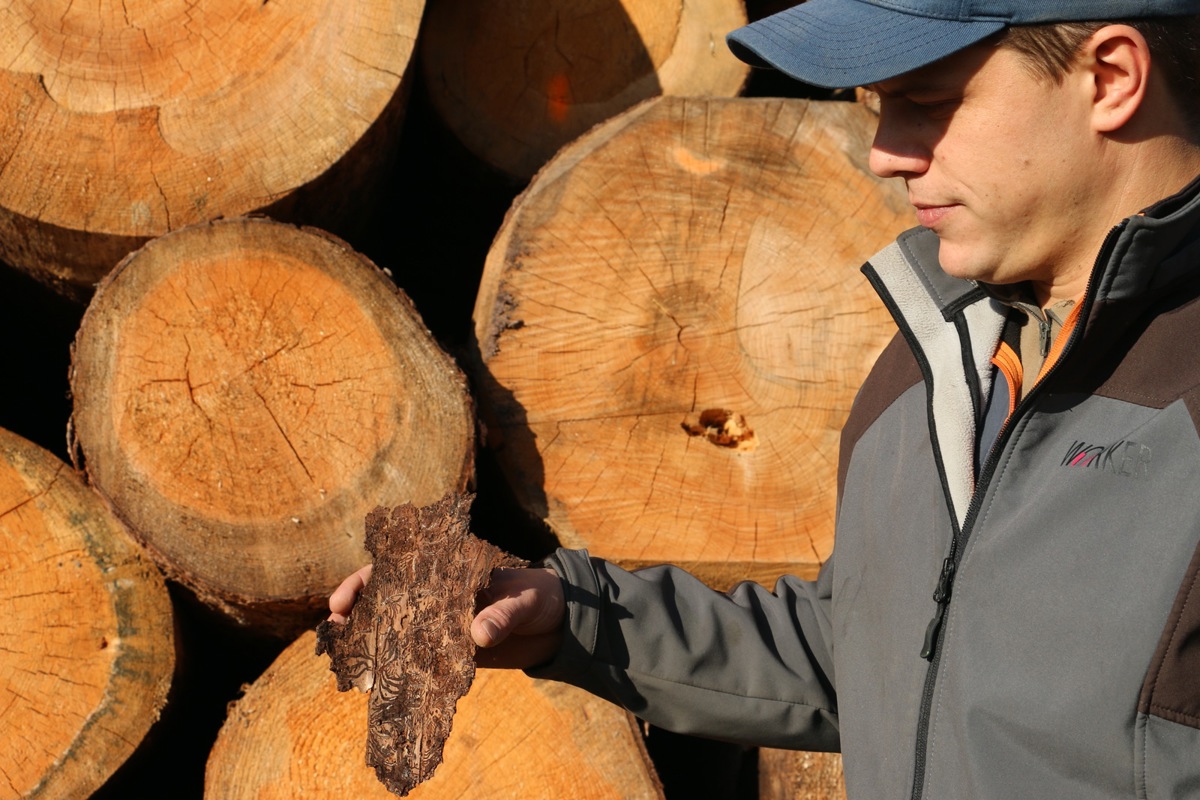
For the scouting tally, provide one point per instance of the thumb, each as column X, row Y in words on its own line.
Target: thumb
column 519, row 601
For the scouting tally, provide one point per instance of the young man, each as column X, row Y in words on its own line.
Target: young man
column 1041, row 488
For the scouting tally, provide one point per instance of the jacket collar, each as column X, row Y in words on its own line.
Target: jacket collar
column 919, row 246
column 1152, row 249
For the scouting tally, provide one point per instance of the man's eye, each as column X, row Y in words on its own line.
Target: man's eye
column 936, row 109
column 940, row 103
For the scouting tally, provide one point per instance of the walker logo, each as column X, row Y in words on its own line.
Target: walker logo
column 1127, row 458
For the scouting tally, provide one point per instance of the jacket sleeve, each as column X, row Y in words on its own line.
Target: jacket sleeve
column 750, row 666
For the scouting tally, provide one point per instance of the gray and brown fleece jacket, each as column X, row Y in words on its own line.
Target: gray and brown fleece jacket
column 1028, row 627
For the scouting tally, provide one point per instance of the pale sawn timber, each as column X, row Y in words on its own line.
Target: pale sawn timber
column 672, row 326
column 800, row 775
column 245, row 392
column 87, row 648
column 124, row 121
column 293, row 734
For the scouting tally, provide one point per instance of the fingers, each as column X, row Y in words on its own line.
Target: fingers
column 345, row 595
column 519, row 622
column 525, row 604
column 520, row 652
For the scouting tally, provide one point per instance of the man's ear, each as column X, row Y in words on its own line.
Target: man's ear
column 1118, row 60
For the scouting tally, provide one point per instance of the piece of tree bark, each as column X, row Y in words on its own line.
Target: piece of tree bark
column 408, row 639
column 124, row 121
column 799, row 775
column 294, row 735
column 87, row 645
column 515, row 82
column 245, row 392
column 672, row 327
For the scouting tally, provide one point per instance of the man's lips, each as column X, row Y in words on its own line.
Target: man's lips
column 931, row 215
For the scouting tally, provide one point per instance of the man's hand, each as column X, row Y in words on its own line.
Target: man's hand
column 343, row 597
column 519, row 622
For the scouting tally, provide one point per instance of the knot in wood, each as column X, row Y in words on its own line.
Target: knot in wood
column 723, row 428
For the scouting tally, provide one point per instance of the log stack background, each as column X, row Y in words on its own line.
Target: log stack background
column 426, row 212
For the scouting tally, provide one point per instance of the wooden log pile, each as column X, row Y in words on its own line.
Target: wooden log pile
column 265, row 267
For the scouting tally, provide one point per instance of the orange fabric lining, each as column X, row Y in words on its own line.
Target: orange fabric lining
column 1008, row 363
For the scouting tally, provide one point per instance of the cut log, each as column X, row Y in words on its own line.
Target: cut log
column 672, row 327
column 798, row 775
column 515, row 82
column 294, row 735
column 245, row 392
column 87, row 645
column 408, row 639
column 868, row 98
column 127, row 120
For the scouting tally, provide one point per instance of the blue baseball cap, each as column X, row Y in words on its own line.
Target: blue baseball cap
column 842, row 43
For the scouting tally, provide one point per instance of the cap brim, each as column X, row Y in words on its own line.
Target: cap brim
column 842, row 43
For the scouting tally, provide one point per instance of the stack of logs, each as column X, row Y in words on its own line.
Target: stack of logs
column 269, row 266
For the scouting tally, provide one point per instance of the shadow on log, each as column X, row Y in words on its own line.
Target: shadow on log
column 517, row 82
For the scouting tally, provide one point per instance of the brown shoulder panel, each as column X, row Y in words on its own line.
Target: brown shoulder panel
column 1172, row 690
column 895, row 371
column 1161, row 366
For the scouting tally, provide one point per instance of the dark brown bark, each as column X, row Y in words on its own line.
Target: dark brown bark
column 408, row 639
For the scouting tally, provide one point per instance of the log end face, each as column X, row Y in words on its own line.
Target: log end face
column 241, row 389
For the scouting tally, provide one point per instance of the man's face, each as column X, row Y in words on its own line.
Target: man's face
column 1001, row 165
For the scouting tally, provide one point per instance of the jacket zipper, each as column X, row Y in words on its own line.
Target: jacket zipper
column 945, row 585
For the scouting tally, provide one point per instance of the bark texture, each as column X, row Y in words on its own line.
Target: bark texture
column 515, row 82
column 671, row 328
column 245, row 392
column 408, row 639
column 87, row 645
column 128, row 120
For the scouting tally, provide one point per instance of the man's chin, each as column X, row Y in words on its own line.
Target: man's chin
column 955, row 263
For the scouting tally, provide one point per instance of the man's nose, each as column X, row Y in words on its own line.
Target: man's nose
column 896, row 151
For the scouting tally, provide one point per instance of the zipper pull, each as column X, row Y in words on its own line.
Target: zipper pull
column 1044, row 326
column 931, row 632
column 941, row 596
